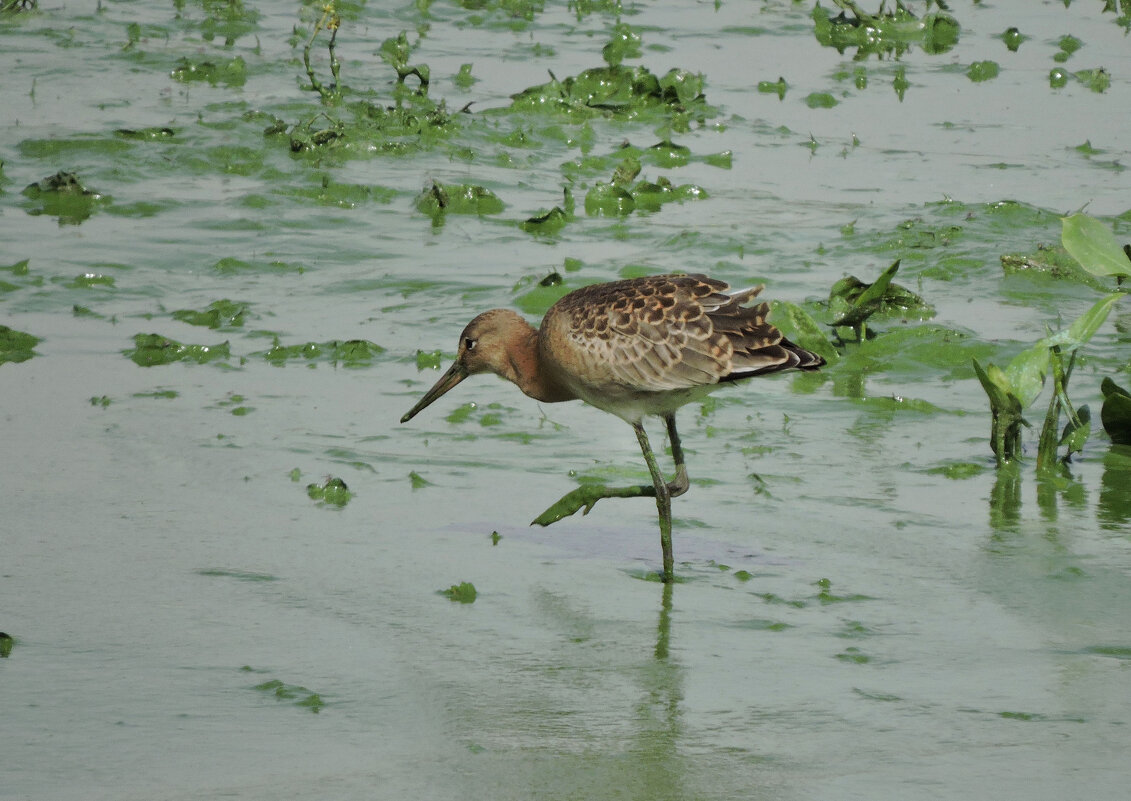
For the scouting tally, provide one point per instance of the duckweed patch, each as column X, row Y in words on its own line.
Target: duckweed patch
column 219, row 314
column 347, row 353
column 295, row 694
column 620, row 92
column 440, row 199
column 884, row 33
column 463, row 593
column 229, row 73
column 151, row 350
column 63, row 196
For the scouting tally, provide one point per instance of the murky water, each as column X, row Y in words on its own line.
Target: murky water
column 867, row 608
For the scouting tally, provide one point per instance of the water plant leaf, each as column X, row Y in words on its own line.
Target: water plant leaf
column 229, row 73
column 777, row 87
column 331, row 492
column 16, row 346
column 1076, row 432
column 625, row 43
column 982, row 71
column 1082, row 329
column 153, row 349
column 1092, row 244
column 820, row 100
column 1052, row 261
column 884, row 32
column 439, row 199
column 1025, row 375
column 852, row 302
column 1005, row 410
column 463, row 593
column 608, row 200
column 1098, row 79
column 1013, row 39
column 63, row 195
column 348, row 353
column 298, row 695
column 800, row 327
column 994, row 382
column 221, row 313
column 549, row 223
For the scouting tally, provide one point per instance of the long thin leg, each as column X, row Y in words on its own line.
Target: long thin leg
column 586, row 496
column 663, row 498
column 679, row 484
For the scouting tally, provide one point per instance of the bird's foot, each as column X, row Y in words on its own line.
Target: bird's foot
column 585, row 498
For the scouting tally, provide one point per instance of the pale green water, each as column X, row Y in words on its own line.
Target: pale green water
column 973, row 641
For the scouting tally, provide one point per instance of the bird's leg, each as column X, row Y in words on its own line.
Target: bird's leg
column 663, row 494
column 679, row 484
column 586, row 496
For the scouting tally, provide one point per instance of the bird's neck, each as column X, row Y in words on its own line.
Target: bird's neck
column 526, row 368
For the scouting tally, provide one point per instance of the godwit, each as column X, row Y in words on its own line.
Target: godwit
column 634, row 347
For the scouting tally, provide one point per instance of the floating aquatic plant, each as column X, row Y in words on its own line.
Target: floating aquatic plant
column 440, row 199
column 64, row 196
column 16, row 346
column 885, row 32
column 852, row 302
column 331, row 492
column 1012, row 390
column 153, row 349
column 347, row 353
column 463, row 593
column 219, row 314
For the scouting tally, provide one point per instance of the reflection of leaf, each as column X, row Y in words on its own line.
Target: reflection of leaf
column 1093, row 245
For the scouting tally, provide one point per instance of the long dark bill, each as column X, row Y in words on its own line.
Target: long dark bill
column 456, row 373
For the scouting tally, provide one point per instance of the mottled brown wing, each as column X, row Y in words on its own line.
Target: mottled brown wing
column 669, row 332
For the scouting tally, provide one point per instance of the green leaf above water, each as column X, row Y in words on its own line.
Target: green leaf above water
column 1085, row 326
column 1094, row 246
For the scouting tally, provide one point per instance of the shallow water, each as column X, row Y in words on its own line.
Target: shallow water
column 850, row 621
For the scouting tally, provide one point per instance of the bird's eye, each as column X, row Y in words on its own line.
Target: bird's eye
column 469, row 343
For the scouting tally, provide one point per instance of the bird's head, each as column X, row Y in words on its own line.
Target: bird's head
column 484, row 346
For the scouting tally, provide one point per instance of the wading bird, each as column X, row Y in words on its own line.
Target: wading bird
column 641, row 346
